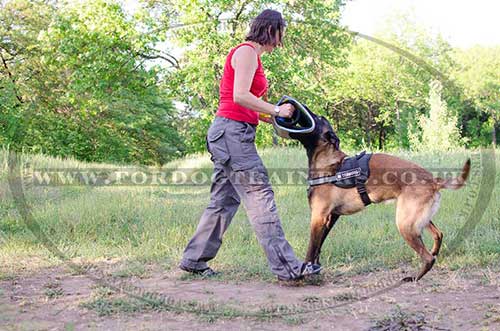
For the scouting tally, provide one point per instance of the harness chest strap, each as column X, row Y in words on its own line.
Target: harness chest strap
column 361, row 188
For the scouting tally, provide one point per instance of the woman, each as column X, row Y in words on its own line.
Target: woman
column 239, row 174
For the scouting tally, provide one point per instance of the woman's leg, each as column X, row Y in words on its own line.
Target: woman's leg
column 258, row 200
column 242, row 175
column 250, row 180
column 206, row 241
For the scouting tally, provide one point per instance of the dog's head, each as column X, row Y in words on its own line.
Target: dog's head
column 322, row 136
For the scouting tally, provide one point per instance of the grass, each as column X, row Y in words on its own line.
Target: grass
column 132, row 269
column 105, row 302
column 53, row 291
column 145, row 224
column 400, row 320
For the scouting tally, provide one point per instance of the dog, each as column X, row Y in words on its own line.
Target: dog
column 417, row 201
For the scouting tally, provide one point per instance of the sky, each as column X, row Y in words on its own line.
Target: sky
column 462, row 23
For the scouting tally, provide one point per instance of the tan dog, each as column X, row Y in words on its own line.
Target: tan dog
column 414, row 188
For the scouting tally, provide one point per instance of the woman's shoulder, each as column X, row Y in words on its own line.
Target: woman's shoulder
column 245, row 50
column 245, row 54
column 245, row 44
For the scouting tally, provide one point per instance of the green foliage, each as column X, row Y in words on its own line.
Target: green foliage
column 374, row 96
column 439, row 130
column 314, row 44
column 87, row 80
column 381, row 93
column 154, row 223
column 93, row 97
column 478, row 72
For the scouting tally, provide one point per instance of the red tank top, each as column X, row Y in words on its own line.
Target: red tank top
column 227, row 107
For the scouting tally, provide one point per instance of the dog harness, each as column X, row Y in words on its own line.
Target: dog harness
column 353, row 172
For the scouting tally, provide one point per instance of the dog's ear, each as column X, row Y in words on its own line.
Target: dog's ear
column 332, row 138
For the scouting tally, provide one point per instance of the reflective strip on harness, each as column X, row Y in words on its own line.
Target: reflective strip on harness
column 332, row 179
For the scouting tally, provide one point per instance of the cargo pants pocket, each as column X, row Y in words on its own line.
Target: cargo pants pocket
column 217, row 147
column 247, row 140
column 247, row 156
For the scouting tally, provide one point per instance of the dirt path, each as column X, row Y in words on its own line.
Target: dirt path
column 52, row 300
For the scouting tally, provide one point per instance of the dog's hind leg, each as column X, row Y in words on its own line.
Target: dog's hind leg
column 437, row 235
column 412, row 216
column 415, row 241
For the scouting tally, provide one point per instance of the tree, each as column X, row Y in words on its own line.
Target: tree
column 79, row 74
column 478, row 73
column 439, row 130
column 314, row 44
column 384, row 89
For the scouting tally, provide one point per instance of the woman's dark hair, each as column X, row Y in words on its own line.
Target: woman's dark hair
column 259, row 29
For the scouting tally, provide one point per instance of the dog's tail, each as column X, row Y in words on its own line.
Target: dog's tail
column 454, row 183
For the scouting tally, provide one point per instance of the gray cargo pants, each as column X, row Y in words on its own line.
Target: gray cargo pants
column 239, row 174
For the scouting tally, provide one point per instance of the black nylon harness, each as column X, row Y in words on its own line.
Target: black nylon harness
column 353, row 172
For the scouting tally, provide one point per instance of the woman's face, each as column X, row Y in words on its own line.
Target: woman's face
column 269, row 48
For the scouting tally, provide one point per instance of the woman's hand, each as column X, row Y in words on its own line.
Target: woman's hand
column 286, row 110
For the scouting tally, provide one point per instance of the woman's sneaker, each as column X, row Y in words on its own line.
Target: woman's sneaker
column 205, row 273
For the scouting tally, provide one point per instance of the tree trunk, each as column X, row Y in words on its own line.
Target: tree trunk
column 368, row 125
column 381, row 135
column 398, row 126
column 494, row 134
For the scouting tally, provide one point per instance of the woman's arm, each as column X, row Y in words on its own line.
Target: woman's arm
column 265, row 117
column 244, row 62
